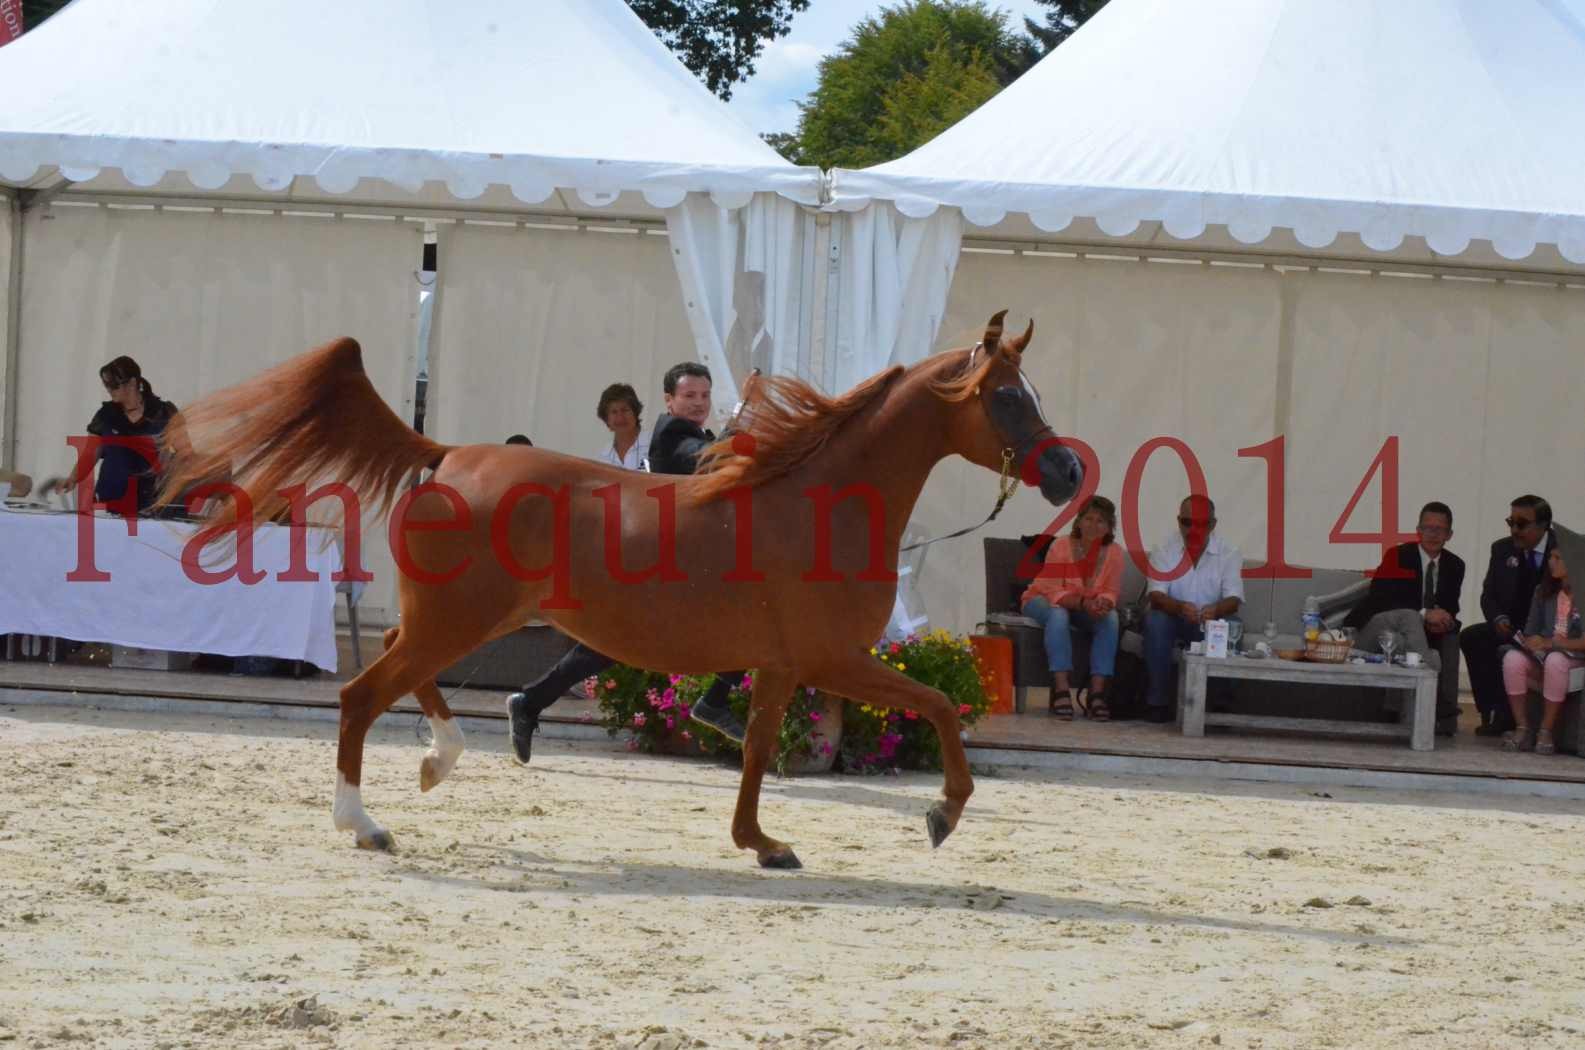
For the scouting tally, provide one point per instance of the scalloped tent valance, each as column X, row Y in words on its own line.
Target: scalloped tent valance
column 1449, row 120
column 555, row 95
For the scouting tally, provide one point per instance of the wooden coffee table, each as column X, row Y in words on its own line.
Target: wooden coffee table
column 1196, row 671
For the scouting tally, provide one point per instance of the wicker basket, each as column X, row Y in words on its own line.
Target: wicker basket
column 1321, row 651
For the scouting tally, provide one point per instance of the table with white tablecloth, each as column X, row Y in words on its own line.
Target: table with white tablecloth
column 150, row 601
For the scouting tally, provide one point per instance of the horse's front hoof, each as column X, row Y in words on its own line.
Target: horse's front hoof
column 379, row 840
column 784, row 859
column 938, row 825
column 429, row 774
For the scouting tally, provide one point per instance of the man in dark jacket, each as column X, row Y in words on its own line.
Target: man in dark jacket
column 1416, row 593
column 674, row 448
column 1511, row 577
column 680, row 435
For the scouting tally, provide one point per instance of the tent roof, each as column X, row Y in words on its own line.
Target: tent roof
column 1451, row 120
column 553, row 94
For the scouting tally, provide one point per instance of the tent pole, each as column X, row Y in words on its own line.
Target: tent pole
column 814, row 305
column 13, row 336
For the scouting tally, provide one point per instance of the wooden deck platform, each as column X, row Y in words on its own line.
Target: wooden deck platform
column 1033, row 739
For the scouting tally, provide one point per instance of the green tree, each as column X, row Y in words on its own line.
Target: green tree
column 1061, row 22
column 785, row 143
column 718, row 39
column 904, row 77
column 923, row 105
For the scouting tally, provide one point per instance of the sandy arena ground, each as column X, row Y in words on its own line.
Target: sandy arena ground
column 172, row 881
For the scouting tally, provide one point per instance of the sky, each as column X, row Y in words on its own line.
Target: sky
column 787, row 68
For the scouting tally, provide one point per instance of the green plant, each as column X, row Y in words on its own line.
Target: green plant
column 877, row 739
column 653, row 709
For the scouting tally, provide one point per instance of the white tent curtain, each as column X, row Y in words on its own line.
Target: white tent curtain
column 1475, row 379
column 202, row 300
column 893, row 276
column 531, row 324
column 741, row 274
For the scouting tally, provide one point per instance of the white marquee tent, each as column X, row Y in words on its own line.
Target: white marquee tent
column 212, row 187
column 1331, row 220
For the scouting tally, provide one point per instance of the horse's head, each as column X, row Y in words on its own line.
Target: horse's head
column 1001, row 418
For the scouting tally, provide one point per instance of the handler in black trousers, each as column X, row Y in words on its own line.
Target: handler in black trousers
column 1511, row 578
column 677, row 442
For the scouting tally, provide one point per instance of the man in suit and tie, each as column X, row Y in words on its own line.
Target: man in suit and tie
column 1511, row 578
column 1415, row 593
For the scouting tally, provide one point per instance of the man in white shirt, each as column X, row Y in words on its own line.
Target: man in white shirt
column 1195, row 578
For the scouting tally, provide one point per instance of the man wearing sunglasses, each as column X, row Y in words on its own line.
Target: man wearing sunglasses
column 1511, row 577
column 1210, row 587
column 1415, row 594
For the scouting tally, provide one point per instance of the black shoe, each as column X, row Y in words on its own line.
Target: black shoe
column 524, row 720
column 721, row 718
column 1496, row 724
column 1158, row 715
column 1447, row 726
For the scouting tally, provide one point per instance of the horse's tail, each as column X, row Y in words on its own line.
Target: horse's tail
column 308, row 421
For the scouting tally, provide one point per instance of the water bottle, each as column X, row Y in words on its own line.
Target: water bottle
column 1312, row 619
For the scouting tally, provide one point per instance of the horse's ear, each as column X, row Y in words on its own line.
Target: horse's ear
column 993, row 332
column 1019, row 343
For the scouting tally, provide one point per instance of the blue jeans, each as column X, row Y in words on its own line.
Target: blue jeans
column 1059, row 644
column 1163, row 632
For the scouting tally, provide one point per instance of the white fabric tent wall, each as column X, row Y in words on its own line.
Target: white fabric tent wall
column 202, row 300
column 1228, row 357
column 1477, row 380
column 532, row 324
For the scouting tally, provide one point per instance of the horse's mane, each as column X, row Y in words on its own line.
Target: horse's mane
column 791, row 422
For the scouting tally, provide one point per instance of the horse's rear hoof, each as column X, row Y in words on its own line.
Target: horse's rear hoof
column 938, row 825
column 784, row 859
column 377, row 840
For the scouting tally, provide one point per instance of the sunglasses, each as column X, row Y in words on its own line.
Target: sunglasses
column 113, row 387
column 1434, row 530
column 1187, row 522
column 1520, row 523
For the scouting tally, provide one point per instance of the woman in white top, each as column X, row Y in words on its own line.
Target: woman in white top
column 621, row 411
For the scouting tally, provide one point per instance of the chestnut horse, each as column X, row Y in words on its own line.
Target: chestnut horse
column 780, row 555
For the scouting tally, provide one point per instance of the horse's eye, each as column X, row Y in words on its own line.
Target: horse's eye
column 1009, row 399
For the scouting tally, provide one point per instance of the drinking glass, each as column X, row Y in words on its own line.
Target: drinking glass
column 1271, row 631
column 1389, row 642
column 1235, row 632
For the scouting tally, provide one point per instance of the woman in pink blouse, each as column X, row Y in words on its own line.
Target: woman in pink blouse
column 1077, row 587
column 1549, row 649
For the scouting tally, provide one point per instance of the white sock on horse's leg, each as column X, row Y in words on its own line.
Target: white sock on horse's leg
column 443, row 752
column 349, row 815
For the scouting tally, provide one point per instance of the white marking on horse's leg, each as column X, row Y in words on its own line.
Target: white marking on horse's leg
column 349, row 815
column 442, row 754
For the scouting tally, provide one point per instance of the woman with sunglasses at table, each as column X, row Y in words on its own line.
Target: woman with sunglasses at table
column 133, row 411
